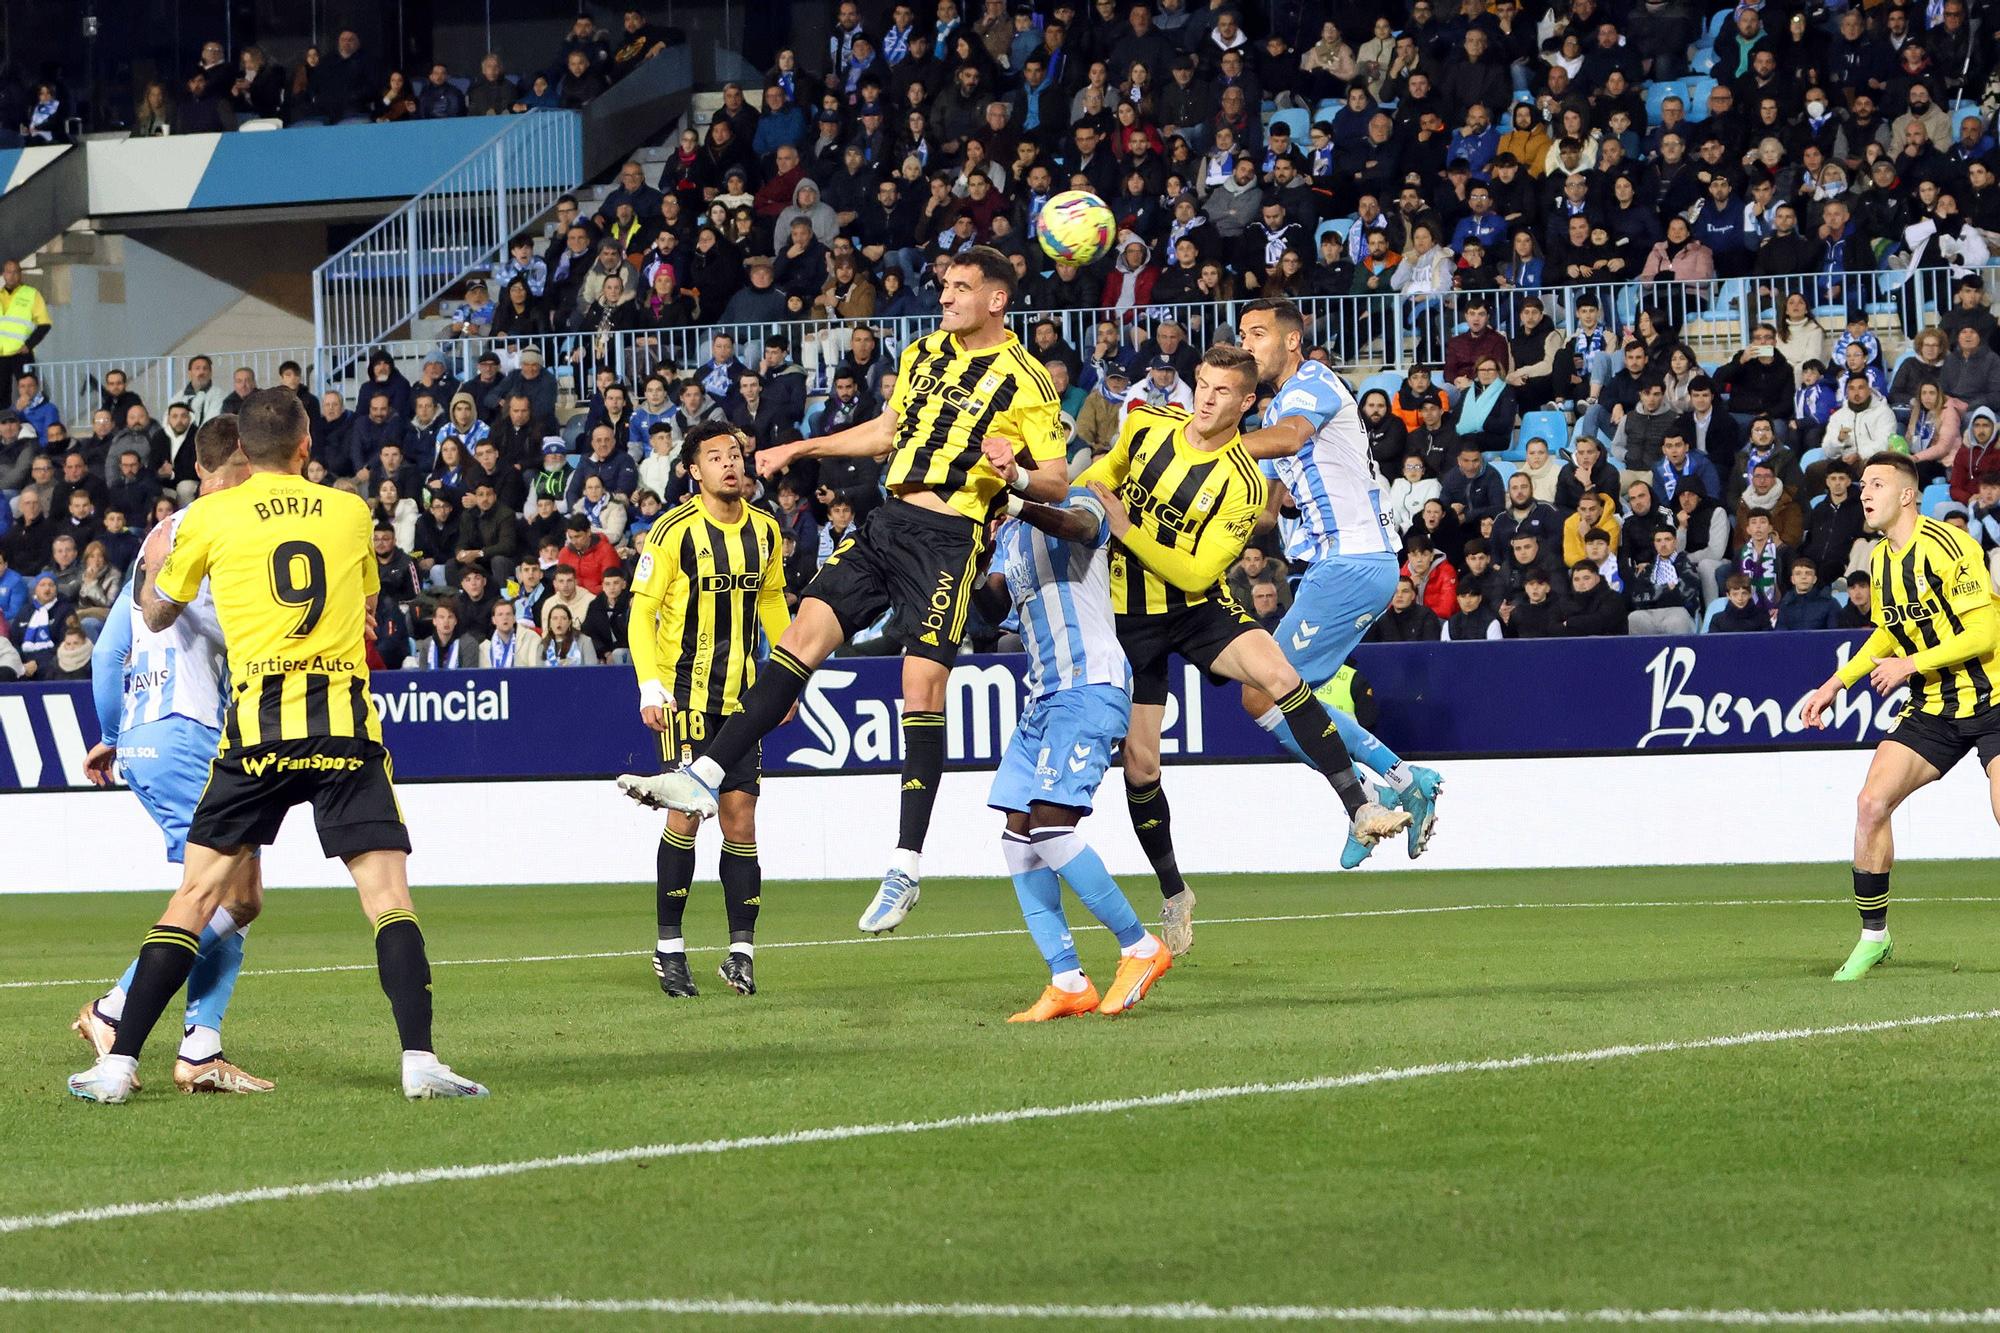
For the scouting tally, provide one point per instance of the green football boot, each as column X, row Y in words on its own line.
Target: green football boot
column 1866, row 954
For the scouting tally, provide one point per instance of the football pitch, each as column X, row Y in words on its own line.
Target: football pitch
column 1430, row 1100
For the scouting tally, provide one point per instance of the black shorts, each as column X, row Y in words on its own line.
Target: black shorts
column 1199, row 633
column 918, row 564
column 693, row 733
column 1943, row 741
column 349, row 780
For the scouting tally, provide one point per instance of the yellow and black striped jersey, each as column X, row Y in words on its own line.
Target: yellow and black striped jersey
column 701, row 590
column 1192, row 511
column 290, row 566
column 1922, row 596
column 949, row 399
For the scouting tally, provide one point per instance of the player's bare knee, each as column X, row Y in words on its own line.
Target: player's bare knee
column 923, row 685
column 1141, row 763
column 1872, row 808
column 738, row 823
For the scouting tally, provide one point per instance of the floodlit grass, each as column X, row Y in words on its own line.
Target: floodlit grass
column 1835, row 1171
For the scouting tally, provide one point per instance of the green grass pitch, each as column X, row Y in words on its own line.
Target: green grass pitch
column 1839, row 1172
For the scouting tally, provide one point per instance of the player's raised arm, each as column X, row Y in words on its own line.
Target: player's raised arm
column 1221, row 541
column 172, row 567
column 873, row 438
column 1082, row 520
column 1281, row 439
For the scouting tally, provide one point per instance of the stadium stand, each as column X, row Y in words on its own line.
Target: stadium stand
column 1706, row 249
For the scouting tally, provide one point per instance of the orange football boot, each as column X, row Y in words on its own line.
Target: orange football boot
column 1059, row 1003
column 1135, row 977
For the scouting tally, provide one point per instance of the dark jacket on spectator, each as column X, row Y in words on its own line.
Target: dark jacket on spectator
column 1831, row 531
column 1812, row 610
column 1761, row 386
column 1529, row 621
column 1737, row 620
column 1974, row 379
column 541, row 392
column 1415, row 623
column 1599, row 611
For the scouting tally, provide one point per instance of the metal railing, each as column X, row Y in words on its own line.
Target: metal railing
column 459, row 225
column 1362, row 334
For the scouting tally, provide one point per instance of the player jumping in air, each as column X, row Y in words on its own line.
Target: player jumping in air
column 1053, row 563
column 711, row 573
column 968, row 399
column 159, row 709
column 292, row 571
column 1937, row 631
column 1182, row 496
column 1313, row 435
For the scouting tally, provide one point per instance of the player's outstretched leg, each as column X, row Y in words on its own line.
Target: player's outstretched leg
column 673, row 876
column 1153, row 824
column 1411, row 787
column 1069, row 991
column 742, row 896
column 1142, row 957
column 166, row 959
column 693, row 789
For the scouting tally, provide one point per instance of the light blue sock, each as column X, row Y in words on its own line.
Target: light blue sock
column 1361, row 743
column 1040, row 893
column 1079, row 864
column 213, row 980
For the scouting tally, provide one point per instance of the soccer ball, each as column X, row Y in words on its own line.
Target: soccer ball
column 1075, row 227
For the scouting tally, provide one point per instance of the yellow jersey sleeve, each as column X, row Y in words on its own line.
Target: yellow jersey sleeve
column 1962, row 571
column 1111, row 470
column 187, row 559
column 772, row 612
column 1033, row 419
column 1215, row 550
column 655, row 570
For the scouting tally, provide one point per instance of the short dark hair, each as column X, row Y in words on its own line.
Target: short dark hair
column 1735, row 581
column 1282, row 311
column 1582, row 566
column 993, row 266
column 216, row 443
column 691, row 446
column 1900, row 462
column 1596, row 535
column 270, row 424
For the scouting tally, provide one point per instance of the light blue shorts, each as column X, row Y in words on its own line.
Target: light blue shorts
column 1061, row 748
column 166, row 765
column 1336, row 602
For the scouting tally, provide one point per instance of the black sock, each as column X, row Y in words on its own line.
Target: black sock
column 1153, row 821
column 674, row 873
column 742, row 889
column 165, row 960
column 1320, row 739
column 1871, row 896
column 923, row 766
column 770, row 697
column 405, row 970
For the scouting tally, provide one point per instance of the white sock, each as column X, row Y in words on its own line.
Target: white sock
column 1271, row 718
column 128, row 1063
column 413, row 1061
column 1145, row 948
column 674, row 945
column 112, row 1004
column 707, row 770
column 1399, row 777
column 904, row 860
column 744, row 947
column 199, row 1043
column 222, row 923
column 1072, row 982
column 1879, row 933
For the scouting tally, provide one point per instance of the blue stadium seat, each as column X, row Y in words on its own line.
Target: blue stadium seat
column 1657, row 93
column 1708, row 614
column 1959, row 111
column 1715, row 25
column 1811, row 456
column 1388, row 381
column 1332, row 226
column 1936, row 494
column 1504, row 466
column 1704, row 60
column 1296, row 119
column 1328, row 109
column 1549, row 425
column 1698, row 91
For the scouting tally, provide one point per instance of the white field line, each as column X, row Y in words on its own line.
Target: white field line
column 872, row 940
column 1187, row 1312
column 204, row 1203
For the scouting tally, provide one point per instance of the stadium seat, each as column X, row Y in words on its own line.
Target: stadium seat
column 1296, row 119
column 1388, row 381
column 1811, row 456
column 1328, row 109
column 1698, row 91
column 1936, row 494
column 1549, row 425
column 1704, row 60
column 1715, row 25
column 1657, row 93
column 1332, row 227
column 1708, row 614
column 1505, row 466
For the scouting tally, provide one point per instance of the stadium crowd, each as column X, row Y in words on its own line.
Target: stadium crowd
column 1527, row 203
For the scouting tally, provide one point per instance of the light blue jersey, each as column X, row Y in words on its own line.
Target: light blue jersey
column 1062, row 594
column 1333, row 480
column 1079, row 681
